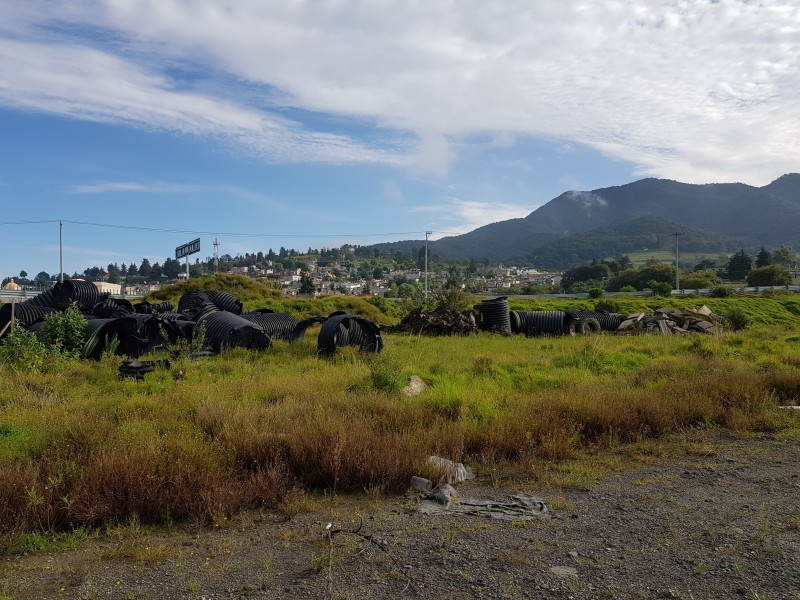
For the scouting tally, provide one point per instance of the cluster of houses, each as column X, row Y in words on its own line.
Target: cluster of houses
column 328, row 280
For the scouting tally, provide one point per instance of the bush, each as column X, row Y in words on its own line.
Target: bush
column 21, row 350
column 611, row 306
column 769, row 275
column 64, row 332
column 627, row 288
column 596, row 293
column 721, row 292
column 659, row 288
column 737, row 319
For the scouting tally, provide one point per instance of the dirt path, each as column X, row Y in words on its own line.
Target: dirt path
column 725, row 524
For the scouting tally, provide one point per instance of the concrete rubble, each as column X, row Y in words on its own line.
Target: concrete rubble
column 668, row 321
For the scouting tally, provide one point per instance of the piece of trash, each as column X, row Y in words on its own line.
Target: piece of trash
column 415, row 386
column 421, row 484
column 454, row 472
column 519, row 508
column 443, row 494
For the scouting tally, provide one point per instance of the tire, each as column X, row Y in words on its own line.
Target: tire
column 587, row 325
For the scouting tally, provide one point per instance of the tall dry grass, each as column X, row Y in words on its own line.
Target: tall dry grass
column 205, row 439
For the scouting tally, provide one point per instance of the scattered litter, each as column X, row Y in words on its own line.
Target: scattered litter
column 444, row 494
column 138, row 368
column 454, row 472
column 421, row 484
column 415, row 386
column 519, row 508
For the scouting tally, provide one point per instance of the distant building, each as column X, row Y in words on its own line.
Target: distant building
column 12, row 285
column 108, row 288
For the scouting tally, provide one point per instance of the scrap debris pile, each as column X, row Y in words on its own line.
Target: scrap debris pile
column 440, row 322
column 668, row 321
column 136, row 329
column 494, row 315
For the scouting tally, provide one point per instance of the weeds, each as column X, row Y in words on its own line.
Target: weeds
column 80, row 448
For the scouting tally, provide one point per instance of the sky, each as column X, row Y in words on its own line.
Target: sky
column 144, row 124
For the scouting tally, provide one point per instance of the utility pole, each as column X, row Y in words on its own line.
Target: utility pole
column 216, row 256
column 427, row 233
column 677, row 235
column 61, row 251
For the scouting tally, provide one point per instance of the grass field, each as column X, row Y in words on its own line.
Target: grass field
column 81, row 448
column 640, row 257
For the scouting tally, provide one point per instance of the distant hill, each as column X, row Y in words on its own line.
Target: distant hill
column 642, row 233
column 579, row 226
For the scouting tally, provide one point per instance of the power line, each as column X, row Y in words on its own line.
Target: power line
column 223, row 233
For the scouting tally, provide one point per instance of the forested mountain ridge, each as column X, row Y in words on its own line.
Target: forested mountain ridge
column 714, row 217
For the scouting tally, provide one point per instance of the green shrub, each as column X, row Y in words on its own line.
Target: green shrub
column 769, row 275
column 21, row 350
column 611, row 306
column 721, row 292
column 64, row 332
column 627, row 288
column 737, row 319
column 659, row 288
column 596, row 293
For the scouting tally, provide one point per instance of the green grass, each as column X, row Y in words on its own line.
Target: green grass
column 81, row 448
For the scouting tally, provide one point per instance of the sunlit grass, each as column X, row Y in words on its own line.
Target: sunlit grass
column 203, row 439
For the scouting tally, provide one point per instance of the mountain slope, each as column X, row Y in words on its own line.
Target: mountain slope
column 735, row 213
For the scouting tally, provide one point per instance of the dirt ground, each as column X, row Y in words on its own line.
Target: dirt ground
column 722, row 521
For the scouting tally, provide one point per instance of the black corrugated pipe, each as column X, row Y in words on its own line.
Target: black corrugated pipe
column 224, row 301
column 278, row 326
column 148, row 328
column 99, row 333
column 145, row 308
column 300, row 329
column 227, row 330
column 110, row 309
column 177, row 325
column 495, row 315
column 200, row 310
column 340, row 330
column 542, row 322
column 187, row 301
column 84, row 293
column 608, row 321
column 46, row 298
column 27, row 314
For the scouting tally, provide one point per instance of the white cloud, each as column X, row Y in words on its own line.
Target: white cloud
column 693, row 90
column 461, row 216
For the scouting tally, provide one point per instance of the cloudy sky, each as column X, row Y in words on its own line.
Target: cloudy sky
column 313, row 123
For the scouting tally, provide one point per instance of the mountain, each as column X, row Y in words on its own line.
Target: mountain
column 727, row 215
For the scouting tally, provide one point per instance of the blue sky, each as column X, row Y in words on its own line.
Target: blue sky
column 317, row 123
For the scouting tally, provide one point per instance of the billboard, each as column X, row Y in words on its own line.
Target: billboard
column 187, row 249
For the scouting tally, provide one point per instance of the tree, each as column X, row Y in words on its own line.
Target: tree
column 700, row 280
column 739, row 265
column 144, row 268
column 133, row 269
column 594, row 274
column 639, row 279
column 171, row 268
column 769, row 275
column 42, row 279
column 23, row 274
column 306, row 283
column 764, row 258
column 784, row 256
